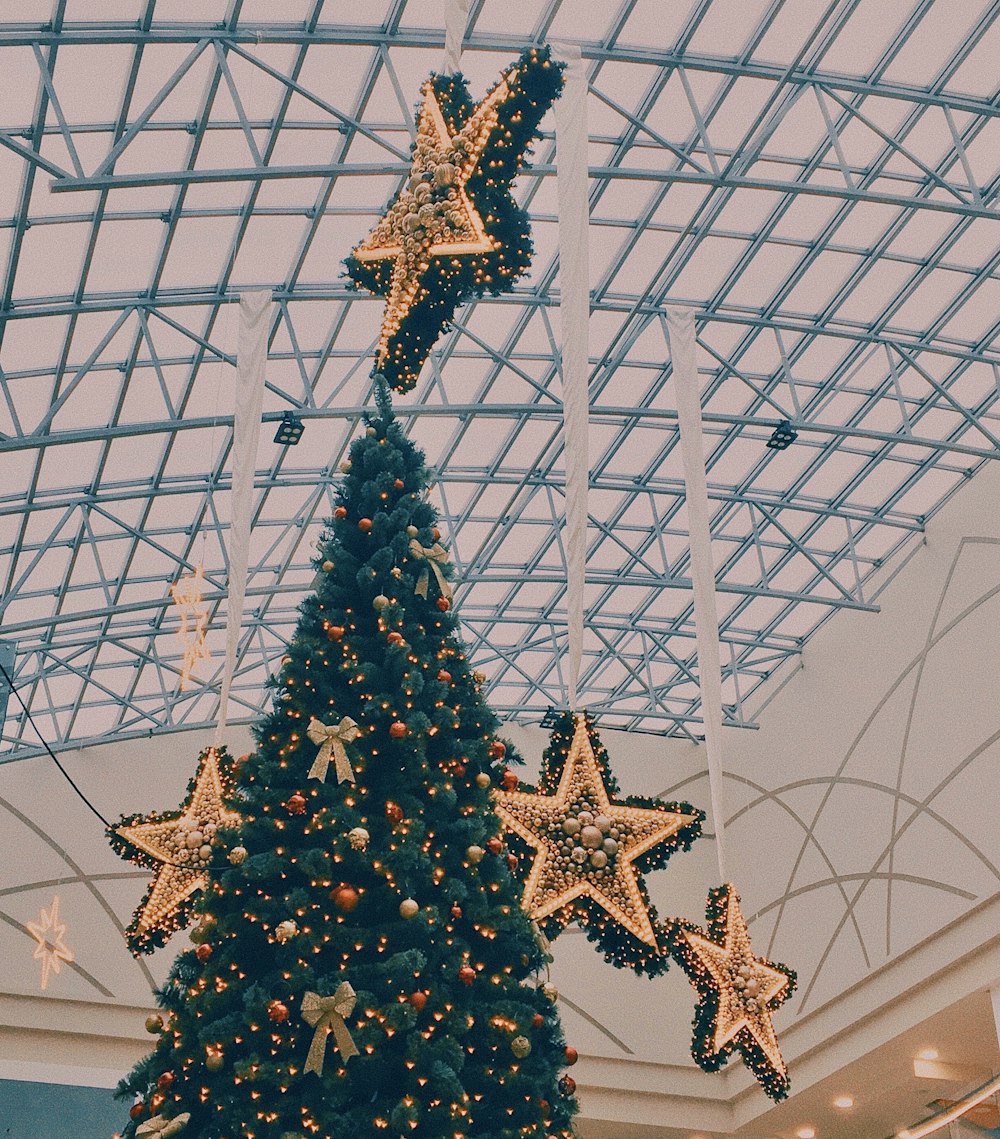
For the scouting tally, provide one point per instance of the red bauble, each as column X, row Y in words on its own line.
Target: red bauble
column 466, row 975
column 164, row 1079
column 296, row 804
column 456, row 911
column 418, row 1000
column 398, row 484
column 571, row 1055
column 509, row 780
column 444, row 676
column 498, row 749
column 537, row 1020
column 435, row 534
column 395, row 638
column 567, row 1085
column 340, row 512
column 458, row 769
column 345, row 898
column 494, row 845
column 398, row 729
column 443, row 604
column 393, row 812
column 203, row 952
column 365, row 525
column 335, row 632
column 277, row 1011
column 136, row 1110
column 544, row 1106
column 512, row 862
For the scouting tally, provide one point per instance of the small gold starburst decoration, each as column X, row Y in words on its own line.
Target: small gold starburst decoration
column 588, row 848
column 187, row 594
column 51, row 950
column 180, row 847
column 738, row 992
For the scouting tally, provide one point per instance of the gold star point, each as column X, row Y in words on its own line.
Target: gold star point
column 51, row 950
column 433, row 214
column 611, row 881
column 181, row 844
column 746, row 987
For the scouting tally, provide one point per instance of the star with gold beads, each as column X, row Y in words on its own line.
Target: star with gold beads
column 49, row 932
column 180, row 847
column 738, row 993
column 454, row 229
column 589, row 850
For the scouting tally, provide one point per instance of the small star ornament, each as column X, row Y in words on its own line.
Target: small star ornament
column 51, row 950
column 586, row 851
column 454, row 230
column 180, row 847
column 738, row 993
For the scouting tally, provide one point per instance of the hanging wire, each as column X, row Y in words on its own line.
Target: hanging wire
column 55, row 759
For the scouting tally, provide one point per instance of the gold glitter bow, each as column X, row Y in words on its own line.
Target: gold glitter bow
column 434, row 557
column 326, row 1015
column 163, row 1128
column 332, row 738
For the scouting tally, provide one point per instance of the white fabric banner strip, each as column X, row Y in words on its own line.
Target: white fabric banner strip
column 251, row 358
column 574, row 311
column 680, row 324
column 456, row 20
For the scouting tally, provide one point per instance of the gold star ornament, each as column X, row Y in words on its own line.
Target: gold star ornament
column 738, row 993
column 51, row 950
column 454, row 230
column 586, row 850
column 181, row 847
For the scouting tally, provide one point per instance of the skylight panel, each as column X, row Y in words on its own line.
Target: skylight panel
column 50, row 260
column 865, row 37
column 940, row 33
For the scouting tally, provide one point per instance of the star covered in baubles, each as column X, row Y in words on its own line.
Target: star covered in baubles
column 180, row 847
column 738, row 993
column 454, row 230
column 585, row 849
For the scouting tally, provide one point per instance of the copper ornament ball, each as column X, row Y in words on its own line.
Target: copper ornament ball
column 345, row 898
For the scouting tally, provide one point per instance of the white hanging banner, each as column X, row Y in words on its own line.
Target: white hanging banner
column 456, row 20
column 251, row 358
column 680, row 325
column 574, row 311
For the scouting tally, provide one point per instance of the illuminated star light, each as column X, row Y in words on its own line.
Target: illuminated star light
column 48, row 931
column 180, row 845
column 744, row 989
column 541, row 820
column 415, row 227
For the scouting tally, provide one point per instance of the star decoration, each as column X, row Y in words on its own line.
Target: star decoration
column 738, row 993
column 49, row 931
column 180, row 847
column 589, row 850
column 454, row 230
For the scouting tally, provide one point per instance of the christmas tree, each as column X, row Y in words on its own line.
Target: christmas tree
column 363, row 966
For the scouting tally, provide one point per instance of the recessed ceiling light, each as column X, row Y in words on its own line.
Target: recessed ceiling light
column 806, row 1133
column 928, row 1054
column 844, row 1101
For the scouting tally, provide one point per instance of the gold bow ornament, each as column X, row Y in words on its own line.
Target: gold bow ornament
column 433, row 557
column 331, row 738
column 326, row 1015
column 161, row 1127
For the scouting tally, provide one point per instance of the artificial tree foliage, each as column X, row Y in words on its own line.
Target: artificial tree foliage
column 457, row 1035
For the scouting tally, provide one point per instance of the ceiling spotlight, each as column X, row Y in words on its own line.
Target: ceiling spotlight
column 291, row 427
column 783, row 436
column 844, row 1102
column 806, row 1133
column 928, row 1054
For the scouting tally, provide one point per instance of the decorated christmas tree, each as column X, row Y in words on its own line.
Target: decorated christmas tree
column 362, row 964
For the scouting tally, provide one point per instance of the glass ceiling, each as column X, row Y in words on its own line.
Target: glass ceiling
column 818, row 178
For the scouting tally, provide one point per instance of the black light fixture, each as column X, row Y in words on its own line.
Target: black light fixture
column 289, row 429
column 783, row 436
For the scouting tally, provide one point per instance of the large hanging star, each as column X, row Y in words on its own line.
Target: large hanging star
column 454, row 230
column 49, row 931
column 738, row 992
column 180, row 847
column 588, row 849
